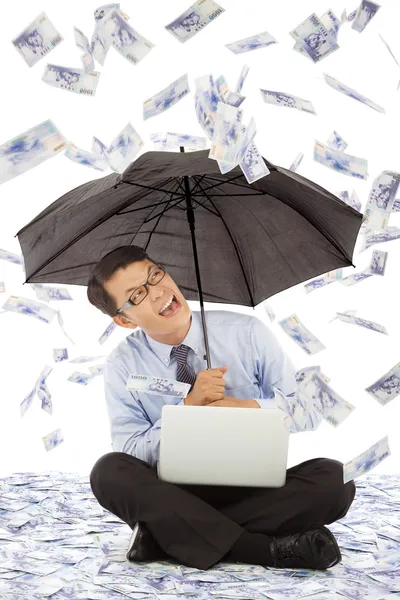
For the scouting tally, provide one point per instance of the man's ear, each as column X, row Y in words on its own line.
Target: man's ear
column 124, row 322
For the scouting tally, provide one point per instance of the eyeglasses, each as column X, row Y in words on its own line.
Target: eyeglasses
column 140, row 293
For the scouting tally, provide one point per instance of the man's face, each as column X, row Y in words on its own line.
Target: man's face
column 146, row 314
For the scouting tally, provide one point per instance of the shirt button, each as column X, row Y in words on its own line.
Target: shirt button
column 165, row 360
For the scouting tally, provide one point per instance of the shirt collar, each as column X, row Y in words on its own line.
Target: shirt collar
column 194, row 339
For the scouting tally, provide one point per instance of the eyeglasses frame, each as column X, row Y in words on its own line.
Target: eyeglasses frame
column 129, row 303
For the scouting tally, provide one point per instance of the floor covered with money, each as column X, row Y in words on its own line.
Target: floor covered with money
column 57, row 542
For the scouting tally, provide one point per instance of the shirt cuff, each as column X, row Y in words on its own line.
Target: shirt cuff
column 266, row 402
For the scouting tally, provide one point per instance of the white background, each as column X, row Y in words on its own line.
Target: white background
column 354, row 357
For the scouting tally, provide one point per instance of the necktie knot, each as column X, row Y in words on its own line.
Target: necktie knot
column 181, row 352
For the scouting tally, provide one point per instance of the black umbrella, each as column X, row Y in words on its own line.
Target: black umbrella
column 251, row 241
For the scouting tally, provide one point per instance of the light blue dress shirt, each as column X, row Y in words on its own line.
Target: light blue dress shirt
column 255, row 360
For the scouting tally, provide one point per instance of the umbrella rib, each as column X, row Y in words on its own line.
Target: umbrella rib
column 192, row 195
column 126, row 212
column 147, row 220
column 223, row 181
column 148, row 187
column 233, row 182
column 235, row 195
column 234, row 245
column 92, row 228
column 329, row 238
column 192, row 191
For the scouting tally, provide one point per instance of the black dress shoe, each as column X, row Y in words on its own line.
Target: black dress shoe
column 314, row 549
column 142, row 545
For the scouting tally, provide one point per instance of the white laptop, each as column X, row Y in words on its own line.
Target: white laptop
column 220, row 445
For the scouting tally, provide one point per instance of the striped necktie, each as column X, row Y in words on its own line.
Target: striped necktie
column 185, row 372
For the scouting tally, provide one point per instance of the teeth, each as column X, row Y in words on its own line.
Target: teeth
column 166, row 305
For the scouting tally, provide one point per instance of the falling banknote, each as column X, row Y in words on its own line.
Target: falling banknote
column 60, row 354
column 281, row 99
column 126, row 40
column 206, row 102
column 390, row 234
column 229, row 97
column 53, row 439
column 389, row 50
column 324, row 400
column 324, row 280
column 295, row 164
column 344, row 89
column 99, row 149
column 78, row 377
column 337, row 142
column 387, row 387
column 87, row 159
column 356, row 278
column 40, row 388
column 367, row 460
column 261, row 40
column 99, row 45
column 37, row 40
column 227, row 138
column 157, row 385
column 331, row 22
column 166, row 98
column 194, row 19
column 30, row 149
column 104, row 336
column 312, row 49
column 301, row 416
column 171, row 142
column 365, row 12
column 11, row 257
column 317, row 41
column 96, row 370
column 341, row 162
column 47, row 293
column 253, row 164
column 81, row 40
column 31, row 308
column 83, row 43
column 301, row 335
column 71, row 80
column 124, row 148
column 243, row 74
column 348, row 318
column 377, row 265
column 82, row 359
column 381, row 200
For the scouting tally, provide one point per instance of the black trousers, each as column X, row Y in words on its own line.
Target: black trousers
column 198, row 524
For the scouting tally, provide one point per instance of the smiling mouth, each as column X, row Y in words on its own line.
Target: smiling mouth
column 172, row 309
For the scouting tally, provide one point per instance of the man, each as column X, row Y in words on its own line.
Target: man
column 201, row 525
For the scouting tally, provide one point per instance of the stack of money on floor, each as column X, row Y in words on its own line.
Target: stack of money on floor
column 58, row 542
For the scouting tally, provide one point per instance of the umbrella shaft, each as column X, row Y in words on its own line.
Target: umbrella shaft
column 191, row 221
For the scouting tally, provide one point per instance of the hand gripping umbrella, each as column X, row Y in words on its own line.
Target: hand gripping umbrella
column 251, row 241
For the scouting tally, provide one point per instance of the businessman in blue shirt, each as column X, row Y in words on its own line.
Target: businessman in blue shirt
column 201, row 525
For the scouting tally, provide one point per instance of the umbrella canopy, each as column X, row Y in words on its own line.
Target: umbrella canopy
column 253, row 241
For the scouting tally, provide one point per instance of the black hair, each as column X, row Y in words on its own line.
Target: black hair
column 119, row 258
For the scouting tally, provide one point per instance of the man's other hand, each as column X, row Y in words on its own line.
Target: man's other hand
column 235, row 402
